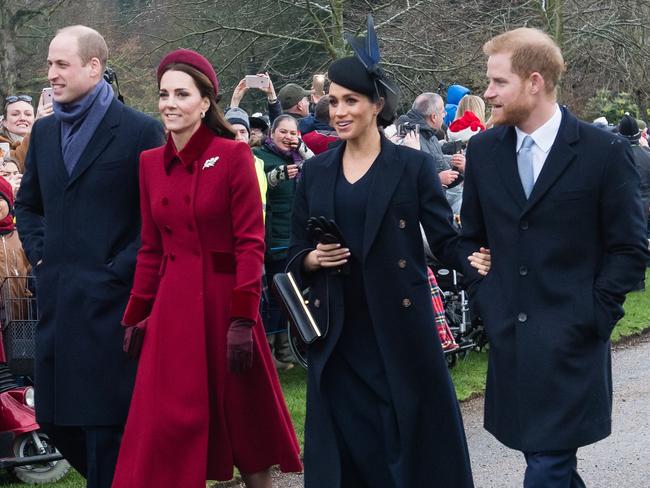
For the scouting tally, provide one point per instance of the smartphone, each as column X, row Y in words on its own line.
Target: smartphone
column 47, row 95
column 407, row 127
column 256, row 81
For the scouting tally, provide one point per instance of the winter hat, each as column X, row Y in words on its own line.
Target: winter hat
column 193, row 59
column 238, row 116
column 629, row 128
column 259, row 121
column 465, row 127
column 291, row 94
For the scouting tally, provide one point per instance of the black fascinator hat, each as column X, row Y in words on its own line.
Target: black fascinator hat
column 361, row 73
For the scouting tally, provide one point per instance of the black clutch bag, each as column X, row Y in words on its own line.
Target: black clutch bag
column 295, row 307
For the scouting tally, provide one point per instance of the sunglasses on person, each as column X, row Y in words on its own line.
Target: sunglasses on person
column 17, row 98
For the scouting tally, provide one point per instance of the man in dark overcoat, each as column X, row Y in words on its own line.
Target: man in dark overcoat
column 557, row 202
column 78, row 217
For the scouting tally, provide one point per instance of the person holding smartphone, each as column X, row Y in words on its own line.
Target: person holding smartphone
column 263, row 83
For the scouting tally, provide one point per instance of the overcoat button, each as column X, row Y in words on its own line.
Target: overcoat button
column 172, row 256
column 190, row 227
column 402, row 224
column 523, row 225
column 187, row 199
column 195, row 252
column 523, row 270
column 522, row 317
column 168, row 229
column 317, row 303
column 406, row 303
column 165, row 201
column 401, row 263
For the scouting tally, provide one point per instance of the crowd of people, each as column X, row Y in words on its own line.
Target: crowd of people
column 174, row 230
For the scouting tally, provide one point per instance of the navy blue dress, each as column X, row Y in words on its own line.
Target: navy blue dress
column 354, row 379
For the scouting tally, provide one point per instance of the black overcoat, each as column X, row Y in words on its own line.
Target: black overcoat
column 85, row 228
column 563, row 261
column 405, row 192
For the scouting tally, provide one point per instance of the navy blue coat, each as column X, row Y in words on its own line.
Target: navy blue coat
column 405, row 192
column 563, row 261
column 85, row 228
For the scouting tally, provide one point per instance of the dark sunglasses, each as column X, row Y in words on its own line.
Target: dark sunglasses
column 17, row 98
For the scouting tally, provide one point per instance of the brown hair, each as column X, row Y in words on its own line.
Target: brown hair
column 214, row 117
column 531, row 50
column 90, row 43
column 471, row 103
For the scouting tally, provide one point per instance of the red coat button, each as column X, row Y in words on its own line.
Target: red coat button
column 187, row 199
column 164, row 201
column 168, row 229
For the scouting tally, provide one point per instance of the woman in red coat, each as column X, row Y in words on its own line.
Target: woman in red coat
column 207, row 396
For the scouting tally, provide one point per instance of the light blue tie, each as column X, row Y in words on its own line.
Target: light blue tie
column 525, row 165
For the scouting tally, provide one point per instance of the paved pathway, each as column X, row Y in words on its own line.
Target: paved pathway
column 620, row 461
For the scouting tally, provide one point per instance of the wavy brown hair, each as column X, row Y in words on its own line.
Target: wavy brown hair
column 214, row 117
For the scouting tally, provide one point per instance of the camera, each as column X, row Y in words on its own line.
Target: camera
column 407, row 127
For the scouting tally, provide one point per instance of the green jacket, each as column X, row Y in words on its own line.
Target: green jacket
column 279, row 202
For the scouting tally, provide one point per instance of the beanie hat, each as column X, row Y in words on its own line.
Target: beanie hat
column 465, row 127
column 629, row 128
column 193, row 59
column 291, row 94
column 238, row 116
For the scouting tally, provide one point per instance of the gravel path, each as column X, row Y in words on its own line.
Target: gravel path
column 621, row 460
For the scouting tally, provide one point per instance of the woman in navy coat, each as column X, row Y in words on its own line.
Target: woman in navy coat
column 381, row 408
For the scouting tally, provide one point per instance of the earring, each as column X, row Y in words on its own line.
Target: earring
column 202, row 114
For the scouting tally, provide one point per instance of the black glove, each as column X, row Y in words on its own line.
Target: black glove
column 324, row 231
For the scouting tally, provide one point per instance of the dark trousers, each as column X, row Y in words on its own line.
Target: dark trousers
column 552, row 469
column 92, row 451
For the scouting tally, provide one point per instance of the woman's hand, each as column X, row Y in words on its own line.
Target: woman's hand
column 481, row 260
column 270, row 91
column 43, row 110
column 326, row 256
column 238, row 93
column 292, row 170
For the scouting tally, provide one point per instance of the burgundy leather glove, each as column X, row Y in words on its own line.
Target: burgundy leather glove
column 239, row 343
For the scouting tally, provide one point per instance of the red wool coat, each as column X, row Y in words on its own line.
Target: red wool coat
column 200, row 264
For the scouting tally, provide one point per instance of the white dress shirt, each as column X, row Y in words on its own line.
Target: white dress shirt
column 544, row 137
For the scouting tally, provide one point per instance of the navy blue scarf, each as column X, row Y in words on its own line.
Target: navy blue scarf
column 79, row 121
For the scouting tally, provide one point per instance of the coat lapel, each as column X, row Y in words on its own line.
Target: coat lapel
column 505, row 158
column 559, row 157
column 100, row 140
column 325, row 186
column 385, row 181
column 58, row 165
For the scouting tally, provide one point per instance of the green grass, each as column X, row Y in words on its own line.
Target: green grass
column 468, row 376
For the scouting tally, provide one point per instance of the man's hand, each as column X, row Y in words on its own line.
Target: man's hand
column 481, row 260
column 270, row 91
column 412, row 140
column 448, row 176
column 458, row 162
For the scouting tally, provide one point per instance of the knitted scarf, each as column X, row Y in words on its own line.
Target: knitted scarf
column 79, row 121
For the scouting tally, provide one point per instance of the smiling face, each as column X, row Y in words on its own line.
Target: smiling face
column 180, row 103
column 285, row 133
column 69, row 77
column 19, row 118
column 507, row 93
column 352, row 114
